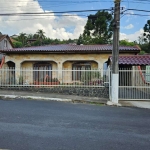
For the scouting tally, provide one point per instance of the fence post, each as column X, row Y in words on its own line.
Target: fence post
column 60, row 71
column 17, row 73
column 109, row 80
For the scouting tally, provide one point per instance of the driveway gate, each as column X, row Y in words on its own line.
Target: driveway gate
column 134, row 84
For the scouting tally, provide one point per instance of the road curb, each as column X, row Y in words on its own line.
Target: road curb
column 34, row 97
column 13, row 97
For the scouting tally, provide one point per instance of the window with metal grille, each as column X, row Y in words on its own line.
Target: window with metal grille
column 80, row 71
column 42, row 70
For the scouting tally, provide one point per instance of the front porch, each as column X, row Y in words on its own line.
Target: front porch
column 82, row 81
column 45, row 72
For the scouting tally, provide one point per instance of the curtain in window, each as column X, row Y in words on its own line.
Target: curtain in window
column 80, row 72
column 42, row 70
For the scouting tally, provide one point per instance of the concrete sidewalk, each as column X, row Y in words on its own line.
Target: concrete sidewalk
column 139, row 104
column 12, row 94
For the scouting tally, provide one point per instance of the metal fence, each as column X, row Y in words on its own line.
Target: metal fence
column 45, row 77
column 134, row 84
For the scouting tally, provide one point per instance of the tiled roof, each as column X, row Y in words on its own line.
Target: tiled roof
column 134, row 60
column 72, row 48
column 2, row 37
column 6, row 36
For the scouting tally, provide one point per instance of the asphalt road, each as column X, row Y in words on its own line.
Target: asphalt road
column 43, row 125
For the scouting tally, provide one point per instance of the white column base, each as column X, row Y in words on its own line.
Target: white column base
column 110, row 103
column 115, row 88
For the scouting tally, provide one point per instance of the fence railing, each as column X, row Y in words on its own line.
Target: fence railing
column 134, row 84
column 45, row 77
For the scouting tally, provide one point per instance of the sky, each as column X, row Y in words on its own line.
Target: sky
column 67, row 25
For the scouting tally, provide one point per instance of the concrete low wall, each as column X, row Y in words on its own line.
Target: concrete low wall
column 101, row 92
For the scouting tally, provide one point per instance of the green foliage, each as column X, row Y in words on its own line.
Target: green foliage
column 41, row 39
column 147, row 37
column 127, row 43
column 22, row 38
column 17, row 44
column 21, row 80
column 147, row 31
column 145, row 47
column 40, row 35
column 142, row 52
column 36, row 43
column 87, row 76
column 49, row 79
column 98, row 29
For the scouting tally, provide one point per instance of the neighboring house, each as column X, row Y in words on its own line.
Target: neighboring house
column 5, row 43
column 59, row 57
column 30, row 41
column 133, row 70
column 14, row 36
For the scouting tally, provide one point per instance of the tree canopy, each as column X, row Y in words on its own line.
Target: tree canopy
column 38, row 39
column 127, row 43
column 22, row 38
column 147, row 32
column 146, row 35
column 98, row 29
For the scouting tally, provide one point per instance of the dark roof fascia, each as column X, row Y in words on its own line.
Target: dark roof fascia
column 66, row 52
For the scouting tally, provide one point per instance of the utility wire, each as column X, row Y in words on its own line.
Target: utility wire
column 46, row 13
column 136, row 14
column 46, row 17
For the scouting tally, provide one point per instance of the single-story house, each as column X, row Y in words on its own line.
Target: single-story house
column 61, row 57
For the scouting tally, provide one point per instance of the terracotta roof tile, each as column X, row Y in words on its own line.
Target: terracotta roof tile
column 134, row 60
column 71, row 48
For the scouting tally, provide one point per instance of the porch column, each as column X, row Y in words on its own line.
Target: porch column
column 100, row 65
column 17, row 73
column 60, row 68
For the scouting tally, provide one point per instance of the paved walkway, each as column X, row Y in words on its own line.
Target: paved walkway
column 140, row 104
column 11, row 94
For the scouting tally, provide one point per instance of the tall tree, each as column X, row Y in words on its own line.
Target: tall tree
column 141, row 39
column 98, row 29
column 147, row 32
column 30, row 36
column 40, row 35
column 22, row 38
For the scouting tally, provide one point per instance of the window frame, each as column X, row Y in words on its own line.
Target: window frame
column 46, row 70
column 76, row 67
